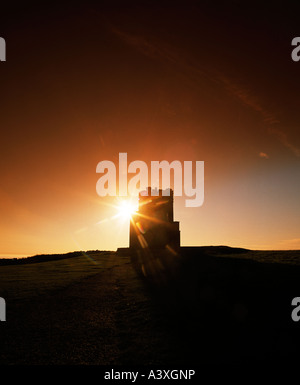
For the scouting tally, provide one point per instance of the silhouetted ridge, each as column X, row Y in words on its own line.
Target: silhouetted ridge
column 46, row 257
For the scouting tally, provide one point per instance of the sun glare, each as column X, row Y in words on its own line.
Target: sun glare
column 126, row 209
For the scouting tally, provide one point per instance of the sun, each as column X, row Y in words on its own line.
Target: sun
column 126, row 209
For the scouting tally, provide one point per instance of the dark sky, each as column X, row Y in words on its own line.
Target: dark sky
column 185, row 80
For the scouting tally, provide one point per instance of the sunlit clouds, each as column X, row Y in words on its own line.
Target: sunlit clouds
column 264, row 155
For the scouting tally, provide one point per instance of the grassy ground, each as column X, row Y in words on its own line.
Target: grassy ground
column 34, row 279
column 222, row 306
column 75, row 311
column 291, row 257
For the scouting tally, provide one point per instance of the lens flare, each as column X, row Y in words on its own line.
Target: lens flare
column 126, row 209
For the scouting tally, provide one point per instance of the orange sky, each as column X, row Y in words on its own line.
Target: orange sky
column 199, row 81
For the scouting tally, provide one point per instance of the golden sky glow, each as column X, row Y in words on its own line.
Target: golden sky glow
column 203, row 81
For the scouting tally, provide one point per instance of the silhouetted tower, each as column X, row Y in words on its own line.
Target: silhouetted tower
column 153, row 226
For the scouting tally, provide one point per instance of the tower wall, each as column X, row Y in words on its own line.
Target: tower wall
column 153, row 226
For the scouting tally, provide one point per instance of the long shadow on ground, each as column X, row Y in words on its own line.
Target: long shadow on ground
column 224, row 309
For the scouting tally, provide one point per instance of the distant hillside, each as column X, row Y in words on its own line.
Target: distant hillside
column 215, row 249
column 47, row 257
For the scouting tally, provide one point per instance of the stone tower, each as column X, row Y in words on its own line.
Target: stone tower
column 153, row 225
